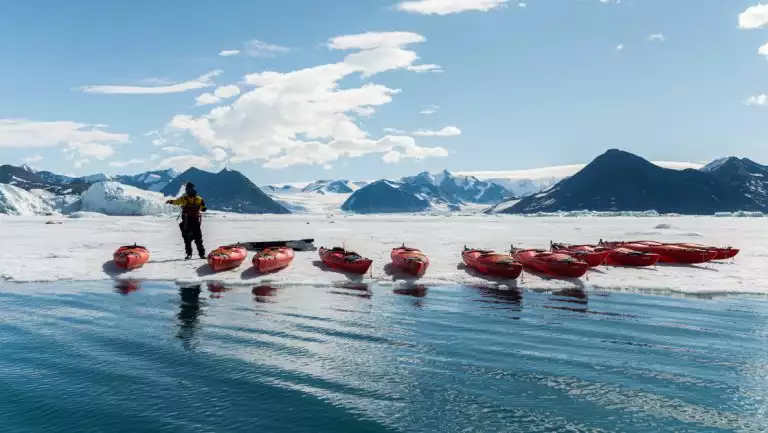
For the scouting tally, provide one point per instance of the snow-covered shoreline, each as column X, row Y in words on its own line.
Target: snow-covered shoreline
column 81, row 249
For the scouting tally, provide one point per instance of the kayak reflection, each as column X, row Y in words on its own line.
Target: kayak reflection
column 125, row 287
column 264, row 294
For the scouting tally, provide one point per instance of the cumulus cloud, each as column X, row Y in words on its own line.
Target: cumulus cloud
column 121, row 164
column 176, row 149
column 446, row 7
column 448, row 131
column 763, row 50
column 303, row 116
column 183, row 162
column 429, row 109
column 227, row 53
column 206, row 99
column 760, row 100
column 203, row 81
column 32, row 158
column 25, row 133
column 656, row 37
column 225, row 92
column 257, row 48
column 754, row 17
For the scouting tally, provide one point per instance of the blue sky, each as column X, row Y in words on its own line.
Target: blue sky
column 383, row 89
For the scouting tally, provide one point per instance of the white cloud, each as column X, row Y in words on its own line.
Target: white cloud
column 429, row 109
column 426, row 68
column 176, row 149
column 303, row 116
column 88, row 149
column 392, row 157
column 760, row 100
column 158, row 142
column 227, row 53
column 656, row 37
column 25, row 133
column 121, row 164
column 394, row 131
column 79, row 140
column 445, row 7
column 763, row 50
column 522, row 4
column 619, row 47
column 32, row 158
column 154, row 157
column 448, row 131
column 257, row 48
column 206, row 99
column 225, row 92
column 754, row 17
column 81, row 162
column 183, row 162
column 205, row 80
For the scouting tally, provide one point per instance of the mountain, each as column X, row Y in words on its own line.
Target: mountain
column 16, row 201
column 227, row 190
column 441, row 191
column 621, row 181
column 27, row 178
column 330, row 187
column 384, row 196
column 114, row 198
column 285, row 189
column 149, row 180
column 749, row 177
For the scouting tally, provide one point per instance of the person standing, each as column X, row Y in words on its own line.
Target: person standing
column 191, row 219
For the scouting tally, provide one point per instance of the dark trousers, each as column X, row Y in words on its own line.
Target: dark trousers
column 191, row 231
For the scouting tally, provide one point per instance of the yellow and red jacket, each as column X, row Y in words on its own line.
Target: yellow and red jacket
column 190, row 205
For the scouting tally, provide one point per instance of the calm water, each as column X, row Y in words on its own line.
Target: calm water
column 159, row 358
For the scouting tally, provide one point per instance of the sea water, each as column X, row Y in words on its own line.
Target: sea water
column 157, row 357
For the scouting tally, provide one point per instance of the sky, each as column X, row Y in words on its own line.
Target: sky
column 298, row 90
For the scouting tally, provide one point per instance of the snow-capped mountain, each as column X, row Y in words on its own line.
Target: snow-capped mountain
column 27, row 178
column 441, row 191
column 621, row 181
column 284, row 189
column 330, row 187
column 749, row 177
column 227, row 190
column 16, row 201
column 149, row 180
column 386, row 196
column 114, row 198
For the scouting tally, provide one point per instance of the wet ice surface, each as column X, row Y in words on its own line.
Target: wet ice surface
column 81, row 249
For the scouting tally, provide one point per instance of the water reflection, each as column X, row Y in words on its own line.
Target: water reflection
column 125, row 287
column 190, row 309
column 416, row 291
column 505, row 299
column 217, row 289
column 264, row 294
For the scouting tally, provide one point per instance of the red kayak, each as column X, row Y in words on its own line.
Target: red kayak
column 130, row 257
column 272, row 259
column 226, row 258
column 347, row 261
column 627, row 257
column 409, row 260
column 492, row 263
column 667, row 253
column 560, row 265
column 592, row 255
column 722, row 252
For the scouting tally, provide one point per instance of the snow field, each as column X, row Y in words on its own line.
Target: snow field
column 81, row 249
